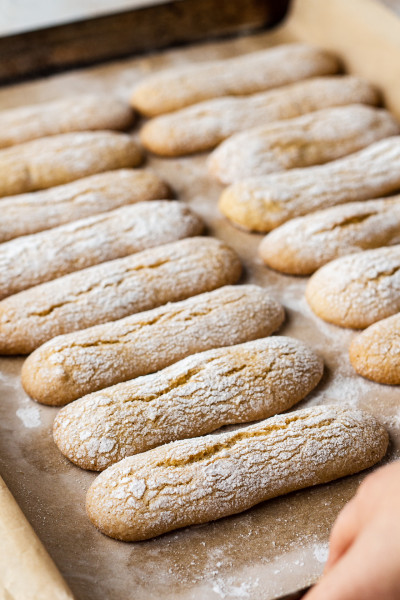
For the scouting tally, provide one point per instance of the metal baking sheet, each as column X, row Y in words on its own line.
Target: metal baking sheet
column 272, row 549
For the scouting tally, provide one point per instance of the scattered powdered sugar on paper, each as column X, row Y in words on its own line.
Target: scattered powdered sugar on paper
column 30, row 416
column 320, row 552
column 229, row 587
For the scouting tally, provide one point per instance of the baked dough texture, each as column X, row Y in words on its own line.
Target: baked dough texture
column 33, row 259
column 204, row 125
column 172, row 89
column 59, row 159
column 75, row 113
column 303, row 245
column 195, row 396
column 113, row 290
column 311, row 139
column 73, row 365
column 357, row 290
column 375, row 353
column 263, row 203
column 203, row 479
column 37, row 211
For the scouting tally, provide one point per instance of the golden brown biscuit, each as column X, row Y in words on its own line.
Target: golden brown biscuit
column 33, row 259
column 172, row 89
column 37, row 211
column 75, row 113
column 263, row 203
column 113, row 290
column 311, row 139
column 204, row 125
column 195, row 396
column 203, row 479
column 59, row 159
column 357, row 290
column 375, row 353
column 303, row 245
column 70, row 366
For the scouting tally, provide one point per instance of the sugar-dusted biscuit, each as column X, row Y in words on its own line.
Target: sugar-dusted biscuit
column 303, row 245
column 311, row 139
column 375, row 353
column 33, row 259
column 70, row 366
column 176, row 88
column 357, row 290
column 206, row 478
column 113, row 290
column 204, row 125
column 195, row 396
column 59, row 159
column 263, row 203
column 75, row 113
column 37, row 211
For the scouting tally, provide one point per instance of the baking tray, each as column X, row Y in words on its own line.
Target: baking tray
column 277, row 546
column 146, row 26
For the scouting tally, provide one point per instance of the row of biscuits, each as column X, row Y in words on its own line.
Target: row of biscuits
column 107, row 294
column 316, row 212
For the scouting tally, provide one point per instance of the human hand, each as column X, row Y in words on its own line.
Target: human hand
column 364, row 554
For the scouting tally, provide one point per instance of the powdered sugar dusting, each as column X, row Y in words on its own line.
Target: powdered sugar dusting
column 303, row 245
column 263, row 203
column 193, row 481
column 308, row 140
column 206, row 124
column 358, row 290
column 321, row 552
column 33, row 259
column 75, row 113
column 30, row 416
column 115, row 289
column 195, row 396
column 106, row 354
column 38, row 211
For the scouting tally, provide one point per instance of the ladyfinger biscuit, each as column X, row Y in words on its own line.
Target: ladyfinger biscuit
column 357, row 290
column 62, row 158
column 375, row 353
column 37, row 211
column 263, row 203
column 76, row 113
column 72, row 365
column 113, row 290
column 33, row 259
column 203, row 479
column 195, row 396
column 172, row 89
column 203, row 126
column 311, row 139
column 303, row 245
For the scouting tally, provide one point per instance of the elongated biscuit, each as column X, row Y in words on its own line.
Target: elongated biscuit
column 311, row 139
column 72, row 365
column 172, row 89
column 375, row 353
column 76, row 113
column 37, row 211
column 203, row 126
column 263, row 203
column 303, row 245
column 33, row 259
column 197, row 395
column 203, row 479
column 358, row 290
column 113, row 290
column 62, row 158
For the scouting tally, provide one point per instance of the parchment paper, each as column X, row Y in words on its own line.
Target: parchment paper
column 271, row 549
